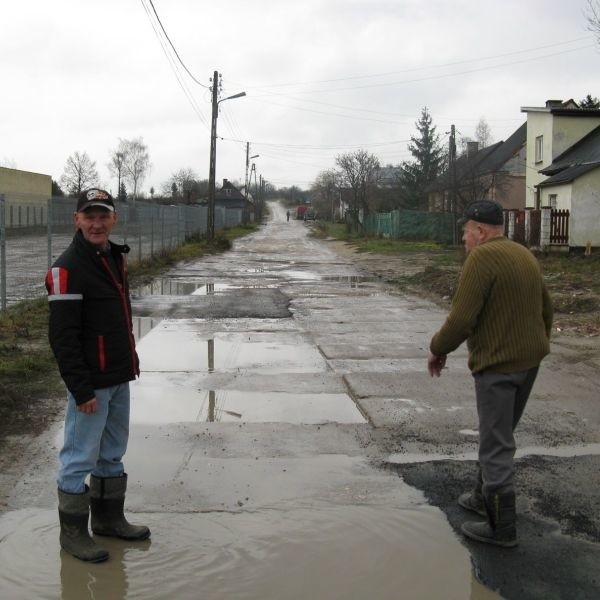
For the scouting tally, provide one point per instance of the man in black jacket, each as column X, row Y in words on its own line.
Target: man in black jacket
column 91, row 336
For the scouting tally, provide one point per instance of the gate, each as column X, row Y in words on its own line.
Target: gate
column 559, row 227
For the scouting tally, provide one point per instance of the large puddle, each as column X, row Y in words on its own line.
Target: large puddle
column 323, row 552
column 156, row 402
column 183, row 346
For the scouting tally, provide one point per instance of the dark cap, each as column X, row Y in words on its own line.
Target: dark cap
column 483, row 211
column 95, row 197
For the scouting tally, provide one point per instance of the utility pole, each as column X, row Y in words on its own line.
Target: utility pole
column 213, row 158
column 452, row 168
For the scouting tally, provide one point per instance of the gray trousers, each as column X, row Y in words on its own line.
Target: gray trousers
column 501, row 400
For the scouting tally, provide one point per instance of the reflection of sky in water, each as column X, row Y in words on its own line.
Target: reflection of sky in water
column 177, row 287
column 188, row 350
column 154, row 402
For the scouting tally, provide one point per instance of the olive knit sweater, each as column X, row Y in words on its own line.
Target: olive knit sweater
column 502, row 309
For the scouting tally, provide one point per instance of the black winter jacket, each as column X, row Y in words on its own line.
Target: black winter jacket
column 90, row 328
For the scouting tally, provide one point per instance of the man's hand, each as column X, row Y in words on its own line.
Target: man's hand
column 88, row 407
column 435, row 364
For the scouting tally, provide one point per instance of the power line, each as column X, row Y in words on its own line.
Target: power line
column 173, row 47
column 434, row 77
column 175, row 70
column 425, row 68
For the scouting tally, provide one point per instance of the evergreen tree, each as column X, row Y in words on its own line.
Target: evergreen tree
column 589, row 102
column 122, row 192
column 56, row 189
column 429, row 157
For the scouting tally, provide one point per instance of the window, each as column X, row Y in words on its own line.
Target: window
column 552, row 200
column 539, row 148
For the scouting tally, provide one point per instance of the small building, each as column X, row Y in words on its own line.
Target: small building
column 573, row 183
column 551, row 130
column 230, row 197
column 25, row 186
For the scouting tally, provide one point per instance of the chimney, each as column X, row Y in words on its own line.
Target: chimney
column 553, row 103
column 472, row 148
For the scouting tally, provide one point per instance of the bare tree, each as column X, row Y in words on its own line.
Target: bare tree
column 483, row 133
column 325, row 192
column 592, row 16
column 116, row 165
column 79, row 173
column 359, row 171
column 136, row 162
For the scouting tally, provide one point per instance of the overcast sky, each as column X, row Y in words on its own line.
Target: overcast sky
column 322, row 77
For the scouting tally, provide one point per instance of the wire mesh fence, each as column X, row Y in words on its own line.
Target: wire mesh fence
column 34, row 231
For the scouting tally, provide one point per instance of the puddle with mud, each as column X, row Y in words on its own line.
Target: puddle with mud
column 323, row 552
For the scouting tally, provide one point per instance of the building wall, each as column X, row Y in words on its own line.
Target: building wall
column 563, row 194
column 25, row 186
column 568, row 130
column 559, row 134
column 511, row 192
column 538, row 123
column 584, row 223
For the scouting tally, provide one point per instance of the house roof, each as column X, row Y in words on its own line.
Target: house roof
column 229, row 192
column 584, row 151
column 569, row 174
column 569, row 108
column 487, row 160
column 578, row 159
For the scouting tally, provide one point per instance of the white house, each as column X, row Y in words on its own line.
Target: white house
column 551, row 130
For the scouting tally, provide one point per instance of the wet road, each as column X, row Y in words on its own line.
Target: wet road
column 249, row 456
column 255, row 452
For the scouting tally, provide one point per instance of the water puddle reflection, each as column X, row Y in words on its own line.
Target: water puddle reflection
column 143, row 325
column 351, row 552
column 156, row 401
column 166, row 286
column 186, row 350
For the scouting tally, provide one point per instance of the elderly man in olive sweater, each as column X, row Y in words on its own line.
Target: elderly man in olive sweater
column 503, row 310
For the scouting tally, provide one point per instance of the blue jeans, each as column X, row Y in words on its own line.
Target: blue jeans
column 94, row 443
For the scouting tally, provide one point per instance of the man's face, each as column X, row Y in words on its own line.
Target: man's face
column 473, row 235
column 96, row 223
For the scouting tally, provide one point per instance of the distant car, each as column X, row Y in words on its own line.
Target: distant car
column 309, row 215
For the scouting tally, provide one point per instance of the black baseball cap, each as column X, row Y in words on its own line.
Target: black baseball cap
column 95, row 197
column 483, row 211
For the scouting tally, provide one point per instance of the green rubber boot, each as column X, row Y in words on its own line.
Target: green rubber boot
column 74, row 514
column 500, row 529
column 107, row 501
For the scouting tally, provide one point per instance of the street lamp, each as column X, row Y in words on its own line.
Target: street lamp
column 213, row 153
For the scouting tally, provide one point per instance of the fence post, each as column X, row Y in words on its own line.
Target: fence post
column 545, row 227
column 2, row 254
column 511, row 225
column 527, row 227
column 49, row 230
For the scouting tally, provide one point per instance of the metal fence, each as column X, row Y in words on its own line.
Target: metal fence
column 35, row 231
column 404, row 224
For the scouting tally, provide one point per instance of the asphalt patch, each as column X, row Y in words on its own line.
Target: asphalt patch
column 243, row 303
column 558, row 555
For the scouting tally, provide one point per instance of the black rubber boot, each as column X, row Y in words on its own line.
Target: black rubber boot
column 500, row 528
column 107, row 501
column 473, row 500
column 74, row 514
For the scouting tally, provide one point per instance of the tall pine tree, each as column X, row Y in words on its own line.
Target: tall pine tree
column 429, row 157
